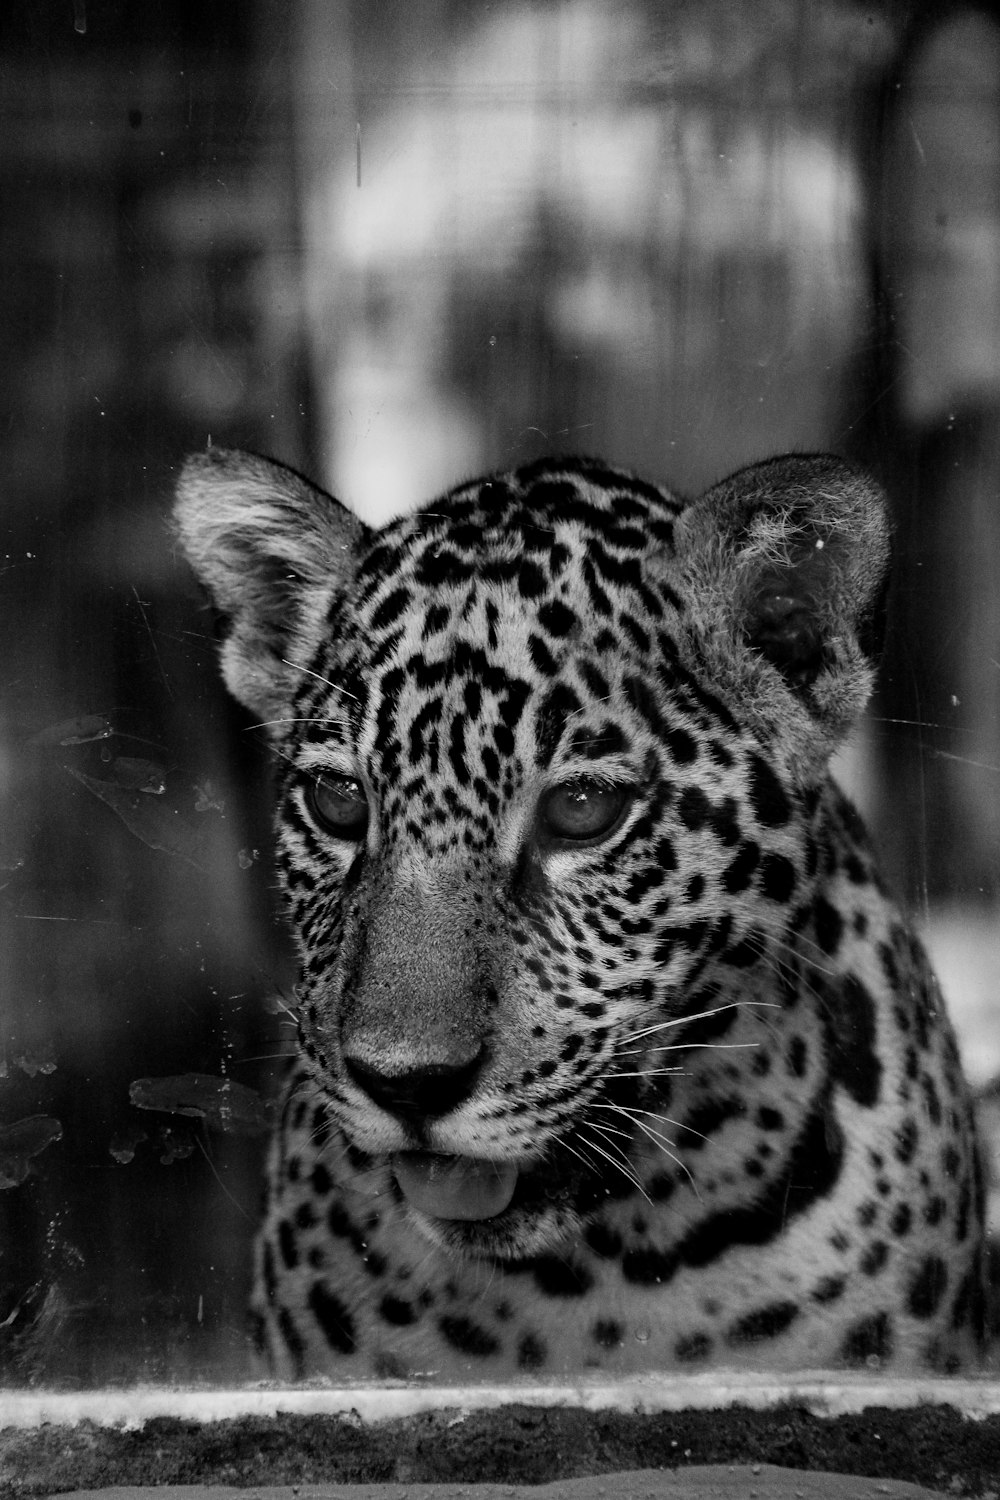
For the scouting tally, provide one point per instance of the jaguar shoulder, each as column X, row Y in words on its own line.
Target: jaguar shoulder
column 613, row 1051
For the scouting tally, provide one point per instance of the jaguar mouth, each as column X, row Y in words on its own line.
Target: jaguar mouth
column 463, row 1188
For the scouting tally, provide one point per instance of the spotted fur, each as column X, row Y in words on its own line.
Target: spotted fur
column 613, row 1050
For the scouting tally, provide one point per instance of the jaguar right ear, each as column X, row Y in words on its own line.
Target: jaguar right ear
column 273, row 551
column 787, row 563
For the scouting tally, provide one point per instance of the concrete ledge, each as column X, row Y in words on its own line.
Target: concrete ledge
column 822, row 1393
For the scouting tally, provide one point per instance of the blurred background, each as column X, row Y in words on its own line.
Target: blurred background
column 393, row 245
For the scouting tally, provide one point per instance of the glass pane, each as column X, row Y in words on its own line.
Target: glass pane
column 614, row 1057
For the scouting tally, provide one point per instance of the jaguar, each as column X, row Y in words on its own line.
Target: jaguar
column 613, row 1050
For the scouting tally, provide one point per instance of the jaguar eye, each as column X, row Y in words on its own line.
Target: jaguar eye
column 583, row 809
column 339, row 804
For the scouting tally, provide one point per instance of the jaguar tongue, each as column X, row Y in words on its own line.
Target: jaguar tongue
column 454, row 1187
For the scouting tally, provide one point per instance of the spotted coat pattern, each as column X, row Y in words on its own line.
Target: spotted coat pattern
column 613, row 1051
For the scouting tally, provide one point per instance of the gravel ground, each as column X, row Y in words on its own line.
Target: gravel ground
column 515, row 1445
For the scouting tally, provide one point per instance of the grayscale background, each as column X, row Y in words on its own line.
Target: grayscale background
column 394, row 245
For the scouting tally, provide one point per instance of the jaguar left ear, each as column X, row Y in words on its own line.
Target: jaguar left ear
column 272, row 550
column 788, row 565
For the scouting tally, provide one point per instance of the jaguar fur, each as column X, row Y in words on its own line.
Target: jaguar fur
column 613, row 1051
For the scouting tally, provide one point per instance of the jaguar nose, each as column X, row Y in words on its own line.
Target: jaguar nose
column 418, row 1093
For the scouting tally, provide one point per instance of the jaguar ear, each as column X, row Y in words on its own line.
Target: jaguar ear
column 272, row 550
column 787, row 563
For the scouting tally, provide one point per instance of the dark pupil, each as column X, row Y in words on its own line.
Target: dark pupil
column 583, row 809
column 340, row 805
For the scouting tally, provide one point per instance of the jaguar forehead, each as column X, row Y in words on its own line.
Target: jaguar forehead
column 535, row 535
column 454, row 698
column 493, row 645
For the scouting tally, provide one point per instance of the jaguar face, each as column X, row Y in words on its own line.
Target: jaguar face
column 522, row 853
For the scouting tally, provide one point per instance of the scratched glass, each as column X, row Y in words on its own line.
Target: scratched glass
column 396, row 247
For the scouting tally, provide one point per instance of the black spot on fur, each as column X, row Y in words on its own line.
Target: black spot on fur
column 927, row 1287
column 934, row 1209
column 305, row 1216
column 625, row 572
column 468, row 1337
column 932, row 1098
column 398, row 1311
column 531, row 580
column 603, row 1240
column 661, row 1187
column 705, row 1119
column 320, row 1126
column 640, row 696
column 258, row 1333
column 812, row 1171
column 436, row 619
column 693, row 808
column 797, row 1057
column 392, row 606
column 767, row 795
column 739, row 873
column 649, row 1267
column 887, row 958
column 320, row 1180
column 777, row 877
column 287, row 1245
column 440, row 566
column 695, row 1346
column 292, row 1340
column 607, row 740
column 531, row 1352
column 635, row 631
column 338, row 1222
column 333, row 1318
column 556, row 619
column 683, row 747
column 541, row 657
column 849, row 1013
column 867, row 1339
column 559, row 705
column 828, row 924
column 764, row 1323
column 874, row 1258
column 557, row 1277
column 907, row 1138
column 601, row 603
column 970, row 1304
column 594, row 679
column 607, row 1333
column 901, row 1220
